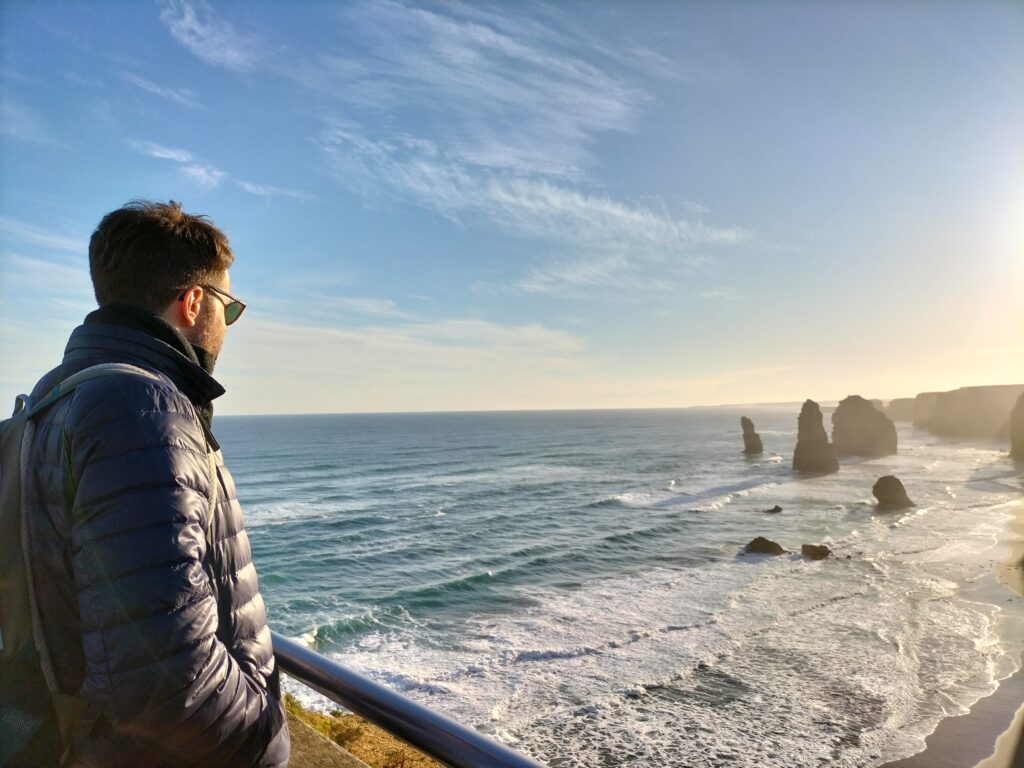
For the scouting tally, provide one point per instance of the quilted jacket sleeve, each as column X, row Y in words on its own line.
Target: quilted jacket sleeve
column 137, row 458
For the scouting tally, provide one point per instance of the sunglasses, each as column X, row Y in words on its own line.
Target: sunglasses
column 233, row 308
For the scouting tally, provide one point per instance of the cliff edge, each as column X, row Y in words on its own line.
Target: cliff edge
column 982, row 412
column 1017, row 429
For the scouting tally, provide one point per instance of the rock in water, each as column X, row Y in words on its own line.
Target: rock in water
column 861, row 429
column 751, row 440
column 815, row 551
column 763, row 546
column 774, row 510
column 891, row 494
column 1017, row 429
column 813, row 452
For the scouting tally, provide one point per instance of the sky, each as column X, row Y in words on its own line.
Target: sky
column 475, row 206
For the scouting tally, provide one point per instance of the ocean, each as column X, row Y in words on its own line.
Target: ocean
column 571, row 582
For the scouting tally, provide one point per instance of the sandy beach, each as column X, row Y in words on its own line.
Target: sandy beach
column 991, row 735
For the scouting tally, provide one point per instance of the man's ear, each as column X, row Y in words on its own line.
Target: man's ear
column 183, row 312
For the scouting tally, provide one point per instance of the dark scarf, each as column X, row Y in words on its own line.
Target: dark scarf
column 139, row 319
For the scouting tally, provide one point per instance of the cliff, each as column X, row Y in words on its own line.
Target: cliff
column 924, row 406
column 982, row 412
column 860, row 429
column 900, row 409
column 1017, row 429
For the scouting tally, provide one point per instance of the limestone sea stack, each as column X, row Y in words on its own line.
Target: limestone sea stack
column 813, row 452
column 861, row 429
column 1017, row 429
column 751, row 440
column 891, row 494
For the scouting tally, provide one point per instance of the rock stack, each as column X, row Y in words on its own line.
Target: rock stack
column 861, row 429
column 891, row 494
column 1017, row 429
column 751, row 440
column 813, row 452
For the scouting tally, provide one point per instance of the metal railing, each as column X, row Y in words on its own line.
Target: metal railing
column 436, row 735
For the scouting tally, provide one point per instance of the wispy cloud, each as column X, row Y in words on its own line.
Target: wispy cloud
column 610, row 238
column 198, row 27
column 541, row 209
column 161, row 152
column 505, row 96
column 182, row 96
column 523, row 206
column 265, row 190
column 507, row 108
column 205, row 176
column 22, row 122
column 200, row 173
column 19, row 231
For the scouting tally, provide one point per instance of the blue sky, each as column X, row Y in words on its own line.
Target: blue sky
column 461, row 206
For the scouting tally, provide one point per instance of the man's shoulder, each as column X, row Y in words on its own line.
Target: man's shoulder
column 128, row 395
column 136, row 385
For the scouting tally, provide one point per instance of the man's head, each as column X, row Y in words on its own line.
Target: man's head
column 157, row 257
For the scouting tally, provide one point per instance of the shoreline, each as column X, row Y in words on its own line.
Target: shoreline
column 991, row 734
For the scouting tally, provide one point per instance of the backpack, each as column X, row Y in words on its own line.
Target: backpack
column 38, row 723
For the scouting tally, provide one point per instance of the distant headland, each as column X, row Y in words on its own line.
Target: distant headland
column 985, row 412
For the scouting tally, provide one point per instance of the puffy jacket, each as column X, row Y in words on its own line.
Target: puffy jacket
column 162, row 628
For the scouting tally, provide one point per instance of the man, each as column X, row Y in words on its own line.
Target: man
column 151, row 609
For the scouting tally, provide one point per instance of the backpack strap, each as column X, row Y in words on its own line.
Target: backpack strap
column 67, row 386
column 75, row 716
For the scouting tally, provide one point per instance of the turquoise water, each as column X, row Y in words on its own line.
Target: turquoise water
column 571, row 581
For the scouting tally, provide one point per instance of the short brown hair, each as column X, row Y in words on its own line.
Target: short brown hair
column 145, row 253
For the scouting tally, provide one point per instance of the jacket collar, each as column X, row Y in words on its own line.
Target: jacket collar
column 128, row 335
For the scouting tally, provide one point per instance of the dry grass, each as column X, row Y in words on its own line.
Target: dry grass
column 374, row 746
